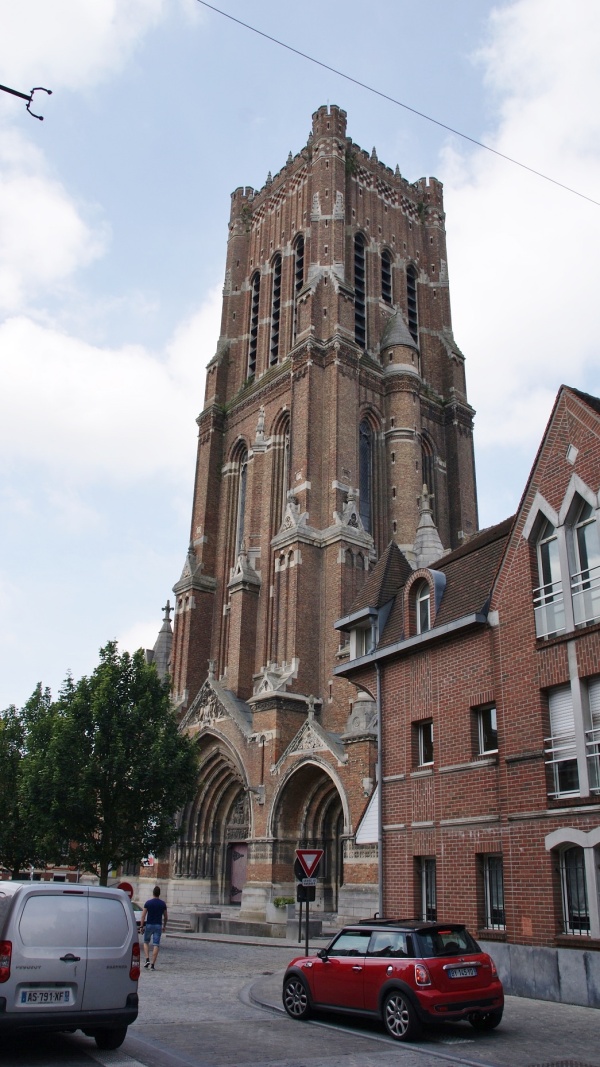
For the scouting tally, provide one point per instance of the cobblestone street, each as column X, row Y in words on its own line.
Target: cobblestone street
column 204, row 1006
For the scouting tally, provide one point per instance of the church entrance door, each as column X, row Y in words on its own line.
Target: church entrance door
column 237, row 864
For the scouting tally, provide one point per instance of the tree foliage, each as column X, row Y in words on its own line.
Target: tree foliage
column 23, row 830
column 112, row 770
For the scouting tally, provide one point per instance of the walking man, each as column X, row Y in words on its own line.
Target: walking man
column 154, row 921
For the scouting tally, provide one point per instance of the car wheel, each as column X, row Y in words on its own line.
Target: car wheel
column 295, row 998
column 487, row 1020
column 400, row 1018
column 112, row 1038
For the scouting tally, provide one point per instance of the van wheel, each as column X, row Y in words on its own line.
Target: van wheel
column 114, row 1038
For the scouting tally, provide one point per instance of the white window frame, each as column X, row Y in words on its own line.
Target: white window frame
column 421, row 728
column 428, row 887
column 481, row 732
column 422, row 598
column 563, row 839
column 493, row 891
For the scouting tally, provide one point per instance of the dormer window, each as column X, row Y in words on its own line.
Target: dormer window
column 362, row 640
column 423, row 607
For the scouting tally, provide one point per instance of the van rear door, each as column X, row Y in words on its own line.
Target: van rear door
column 49, row 953
column 111, row 934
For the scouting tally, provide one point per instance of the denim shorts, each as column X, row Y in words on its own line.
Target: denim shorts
column 152, row 932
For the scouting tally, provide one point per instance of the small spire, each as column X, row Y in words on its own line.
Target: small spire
column 397, row 171
column 428, row 546
column 290, row 158
column 269, row 180
column 374, row 155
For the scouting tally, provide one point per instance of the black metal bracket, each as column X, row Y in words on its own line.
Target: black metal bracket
column 28, row 97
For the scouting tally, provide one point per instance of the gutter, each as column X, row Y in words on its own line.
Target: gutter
column 450, row 628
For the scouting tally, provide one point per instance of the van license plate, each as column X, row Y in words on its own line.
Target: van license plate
column 462, row 972
column 45, row 996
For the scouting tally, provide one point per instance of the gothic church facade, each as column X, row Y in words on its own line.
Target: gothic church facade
column 337, row 392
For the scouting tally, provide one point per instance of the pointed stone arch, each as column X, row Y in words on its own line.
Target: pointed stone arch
column 310, row 809
column 218, row 818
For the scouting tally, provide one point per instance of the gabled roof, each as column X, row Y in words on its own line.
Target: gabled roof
column 390, row 572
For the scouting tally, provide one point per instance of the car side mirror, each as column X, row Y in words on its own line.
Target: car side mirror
column 322, row 954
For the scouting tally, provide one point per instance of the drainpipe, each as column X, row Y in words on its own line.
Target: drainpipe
column 379, row 797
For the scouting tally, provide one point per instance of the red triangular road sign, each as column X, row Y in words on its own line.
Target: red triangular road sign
column 309, row 859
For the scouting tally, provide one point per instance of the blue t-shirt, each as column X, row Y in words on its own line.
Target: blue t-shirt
column 155, row 907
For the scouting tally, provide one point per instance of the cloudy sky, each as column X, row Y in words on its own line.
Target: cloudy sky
column 113, row 225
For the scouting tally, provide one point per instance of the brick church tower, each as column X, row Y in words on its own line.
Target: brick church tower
column 337, row 392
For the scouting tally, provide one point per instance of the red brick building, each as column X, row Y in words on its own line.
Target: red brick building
column 336, row 391
column 485, row 671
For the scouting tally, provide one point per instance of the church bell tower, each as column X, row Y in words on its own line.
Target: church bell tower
column 336, row 393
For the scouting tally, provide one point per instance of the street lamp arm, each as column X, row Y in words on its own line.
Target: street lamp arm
column 28, row 97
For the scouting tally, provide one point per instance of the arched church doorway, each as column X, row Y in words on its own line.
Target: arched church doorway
column 213, row 846
column 309, row 813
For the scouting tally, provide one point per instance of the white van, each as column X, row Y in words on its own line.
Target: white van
column 69, row 960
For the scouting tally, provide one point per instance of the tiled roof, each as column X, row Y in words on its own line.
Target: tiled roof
column 470, row 571
column 391, row 572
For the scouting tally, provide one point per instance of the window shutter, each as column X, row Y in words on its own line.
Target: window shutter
column 560, row 704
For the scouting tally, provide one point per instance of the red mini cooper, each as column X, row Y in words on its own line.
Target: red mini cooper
column 406, row 973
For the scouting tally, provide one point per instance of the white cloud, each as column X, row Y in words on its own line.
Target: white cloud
column 70, row 43
column 523, row 252
column 87, row 414
column 44, row 239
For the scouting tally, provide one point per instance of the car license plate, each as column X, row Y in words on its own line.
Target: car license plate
column 462, row 972
column 45, row 996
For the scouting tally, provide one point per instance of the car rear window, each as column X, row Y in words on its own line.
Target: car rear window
column 446, row 942
column 54, row 921
column 388, row 943
column 350, row 943
column 108, row 923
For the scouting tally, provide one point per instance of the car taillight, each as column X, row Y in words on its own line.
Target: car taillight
column 422, row 975
column 134, row 970
column 493, row 966
column 5, row 958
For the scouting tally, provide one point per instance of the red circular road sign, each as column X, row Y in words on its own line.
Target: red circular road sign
column 127, row 888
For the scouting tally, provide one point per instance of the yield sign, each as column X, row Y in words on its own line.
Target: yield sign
column 309, row 859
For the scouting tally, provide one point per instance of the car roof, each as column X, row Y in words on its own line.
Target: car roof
column 404, row 924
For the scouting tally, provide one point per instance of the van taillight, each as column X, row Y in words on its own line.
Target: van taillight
column 134, row 970
column 5, row 957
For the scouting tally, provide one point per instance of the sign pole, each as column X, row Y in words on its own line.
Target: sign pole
column 300, row 925
column 307, row 918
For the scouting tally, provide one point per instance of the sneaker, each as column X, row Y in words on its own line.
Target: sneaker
column 147, row 963
column 151, row 966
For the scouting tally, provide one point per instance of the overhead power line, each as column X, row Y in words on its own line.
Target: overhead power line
column 398, row 103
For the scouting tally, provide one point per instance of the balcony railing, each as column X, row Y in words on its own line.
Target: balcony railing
column 549, row 608
column 585, row 591
column 561, row 756
column 592, row 744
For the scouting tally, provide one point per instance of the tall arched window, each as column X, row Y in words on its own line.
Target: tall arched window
column 298, row 279
column 365, row 468
column 585, row 573
column 253, row 325
column 360, row 291
column 549, row 604
column 275, row 311
column 386, row 277
column 411, row 303
column 240, row 519
column 428, row 474
column 280, row 443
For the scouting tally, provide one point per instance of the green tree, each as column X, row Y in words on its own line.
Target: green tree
column 116, row 769
column 25, row 832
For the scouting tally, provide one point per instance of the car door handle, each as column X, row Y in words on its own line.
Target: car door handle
column 70, row 958
column 356, row 967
